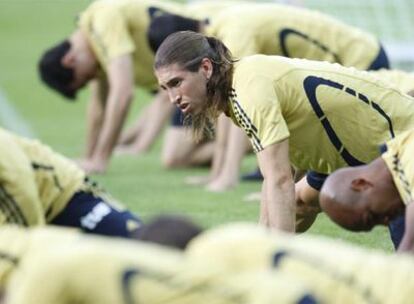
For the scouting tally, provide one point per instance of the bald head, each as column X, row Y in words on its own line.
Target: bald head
column 343, row 199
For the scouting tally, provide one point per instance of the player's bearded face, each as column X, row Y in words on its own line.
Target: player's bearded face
column 188, row 91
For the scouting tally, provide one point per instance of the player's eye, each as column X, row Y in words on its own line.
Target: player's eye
column 175, row 83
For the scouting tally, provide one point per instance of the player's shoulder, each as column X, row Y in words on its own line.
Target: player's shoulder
column 264, row 66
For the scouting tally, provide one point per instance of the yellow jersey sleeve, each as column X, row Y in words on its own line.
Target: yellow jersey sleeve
column 19, row 197
column 399, row 160
column 108, row 33
column 256, row 109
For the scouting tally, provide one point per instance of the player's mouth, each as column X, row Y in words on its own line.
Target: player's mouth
column 185, row 107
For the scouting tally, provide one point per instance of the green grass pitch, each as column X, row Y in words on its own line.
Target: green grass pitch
column 27, row 27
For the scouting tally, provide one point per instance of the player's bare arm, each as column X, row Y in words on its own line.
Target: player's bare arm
column 95, row 114
column 120, row 94
column 278, row 190
column 407, row 243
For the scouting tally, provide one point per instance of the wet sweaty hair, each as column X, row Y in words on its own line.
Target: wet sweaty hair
column 53, row 73
column 187, row 49
column 163, row 25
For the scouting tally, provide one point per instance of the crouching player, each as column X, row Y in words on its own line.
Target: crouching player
column 39, row 186
column 81, row 269
column 334, row 271
column 362, row 197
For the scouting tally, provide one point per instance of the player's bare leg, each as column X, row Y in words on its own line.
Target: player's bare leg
column 237, row 146
column 151, row 122
column 180, row 150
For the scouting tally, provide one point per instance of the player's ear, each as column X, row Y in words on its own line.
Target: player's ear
column 206, row 67
column 68, row 60
column 360, row 184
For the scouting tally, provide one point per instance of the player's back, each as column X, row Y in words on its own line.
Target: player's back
column 333, row 116
column 119, row 27
column 133, row 272
column 276, row 29
column 207, row 9
column 56, row 178
column 17, row 243
column 400, row 79
column 337, row 270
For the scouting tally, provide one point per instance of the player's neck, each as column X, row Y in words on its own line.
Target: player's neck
column 379, row 170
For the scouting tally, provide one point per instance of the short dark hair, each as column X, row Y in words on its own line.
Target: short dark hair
column 53, row 73
column 163, row 25
column 169, row 230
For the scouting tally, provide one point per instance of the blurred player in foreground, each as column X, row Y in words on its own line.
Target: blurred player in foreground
column 89, row 269
column 237, row 263
column 335, row 271
column 362, row 197
column 39, row 186
column 17, row 243
column 296, row 112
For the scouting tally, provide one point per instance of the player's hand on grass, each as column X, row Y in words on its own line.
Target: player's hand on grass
column 221, row 184
column 198, row 180
column 94, row 166
column 253, row 197
column 126, row 150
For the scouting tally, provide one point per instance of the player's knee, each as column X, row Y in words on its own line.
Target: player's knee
column 172, row 161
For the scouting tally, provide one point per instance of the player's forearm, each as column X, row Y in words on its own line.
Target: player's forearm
column 235, row 151
column 407, row 242
column 406, row 245
column 94, row 125
column 160, row 111
column 280, row 203
column 115, row 116
column 220, row 145
column 263, row 218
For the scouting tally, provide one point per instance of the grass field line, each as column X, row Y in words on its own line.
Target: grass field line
column 11, row 119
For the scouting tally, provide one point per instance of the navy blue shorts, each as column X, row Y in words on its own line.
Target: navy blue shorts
column 397, row 229
column 315, row 179
column 177, row 119
column 93, row 214
column 381, row 62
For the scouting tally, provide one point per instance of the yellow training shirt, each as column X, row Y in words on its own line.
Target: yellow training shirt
column 35, row 182
column 336, row 272
column 17, row 243
column 399, row 79
column 119, row 27
column 209, row 8
column 133, row 272
column 333, row 116
column 276, row 29
column 399, row 160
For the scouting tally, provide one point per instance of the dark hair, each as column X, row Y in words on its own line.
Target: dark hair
column 187, row 49
column 169, row 230
column 165, row 24
column 53, row 73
